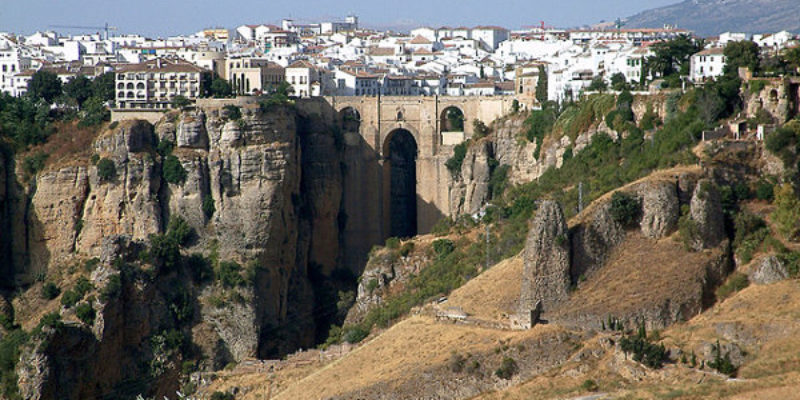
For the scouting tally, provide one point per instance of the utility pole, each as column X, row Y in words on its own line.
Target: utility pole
column 487, row 246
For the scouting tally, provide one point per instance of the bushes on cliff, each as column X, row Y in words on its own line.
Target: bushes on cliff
column 10, row 348
column 173, row 170
column 787, row 211
column 508, row 368
column 106, row 169
column 453, row 163
column 85, row 312
column 645, row 352
column 208, row 206
column 50, row 291
column 74, row 295
column 625, row 209
column 228, row 274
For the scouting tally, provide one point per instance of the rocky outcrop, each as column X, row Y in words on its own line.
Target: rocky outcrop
column 275, row 188
column 706, row 214
column 768, row 269
column 472, row 188
column 660, row 209
column 593, row 240
column 546, row 273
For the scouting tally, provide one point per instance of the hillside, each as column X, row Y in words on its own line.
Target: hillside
column 712, row 17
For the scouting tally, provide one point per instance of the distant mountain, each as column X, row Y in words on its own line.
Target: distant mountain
column 712, row 17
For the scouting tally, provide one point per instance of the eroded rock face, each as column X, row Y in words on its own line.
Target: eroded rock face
column 593, row 240
column 472, row 190
column 706, row 212
column 191, row 132
column 660, row 209
column 546, row 273
column 769, row 269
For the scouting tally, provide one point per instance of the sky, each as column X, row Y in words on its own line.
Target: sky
column 161, row 18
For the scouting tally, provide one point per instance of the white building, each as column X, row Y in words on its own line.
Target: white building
column 155, row 83
column 12, row 62
column 492, row 36
column 707, row 64
column 305, row 79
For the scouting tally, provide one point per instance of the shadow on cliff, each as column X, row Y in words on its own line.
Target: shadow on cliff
column 24, row 256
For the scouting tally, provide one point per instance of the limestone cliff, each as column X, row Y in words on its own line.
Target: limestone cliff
column 263, row 191
column 546, row 271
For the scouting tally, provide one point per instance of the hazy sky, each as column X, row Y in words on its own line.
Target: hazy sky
column 169, row 17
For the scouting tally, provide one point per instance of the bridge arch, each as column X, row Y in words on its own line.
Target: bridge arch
column 350, row 119
column 452, row 119
column 400, row 151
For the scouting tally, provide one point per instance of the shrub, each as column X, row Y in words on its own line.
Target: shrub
column 456, row 362
column 179, row 230
column 590, row 386
column 765, row 190
column 647, row 353
column 234, row 112
column 372, row 284
column 625, row 208
column 392, row 243
column 787, row 211
column 736, row 282
column 722, row 363
column 70, row 298
column 85, row 312
column 112, row 289
column 508, row 368
column 453, row 164
column 180, row 102
column 355, row 334
column 173, row 170
column 106, row 169
column 406, row 249
column 94, row 159
column 165, row 147
column 222, row 396
column 442, row 227
column 208, row 206
column 32, row 164
column 228, row 273
column 443, row 247
column 479, row 128
column 50, row 291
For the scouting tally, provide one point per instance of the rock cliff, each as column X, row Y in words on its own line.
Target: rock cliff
column 262, row 191
column 546, row 273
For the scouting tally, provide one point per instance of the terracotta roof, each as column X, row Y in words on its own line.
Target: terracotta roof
column 381, row 51
column 714, row 51
column 420, row 40
column 301, row 64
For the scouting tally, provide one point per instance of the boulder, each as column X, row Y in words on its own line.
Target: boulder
column 768, row 269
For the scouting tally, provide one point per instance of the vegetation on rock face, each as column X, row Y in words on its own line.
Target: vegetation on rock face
column 645, row 352
column 173, row 170
column 508, row 368
column 625, row 209
column 106, row 169
column 453, row 164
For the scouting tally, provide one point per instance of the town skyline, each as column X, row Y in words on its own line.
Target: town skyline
column 176, row 18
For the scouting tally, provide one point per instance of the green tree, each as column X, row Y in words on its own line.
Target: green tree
column 598, row 85
column 541, row 86
column 44, row 85
column 79, row 88
column 787, row 211
column 180, row 102
column 173, row 171
column 103, row 87
column 220, row 88
column 94, row 112
column 792, row 58
column 672, row 56
column 618, row 81
column 741, row 54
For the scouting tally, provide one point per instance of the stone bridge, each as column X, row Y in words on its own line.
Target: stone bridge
column 396, row 181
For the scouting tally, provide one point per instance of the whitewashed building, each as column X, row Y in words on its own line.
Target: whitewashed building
column 707, row 64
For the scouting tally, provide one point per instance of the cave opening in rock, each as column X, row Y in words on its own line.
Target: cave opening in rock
column 400, row 157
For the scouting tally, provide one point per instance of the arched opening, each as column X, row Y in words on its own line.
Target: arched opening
column 130, row 85
column 773, row 95
column 452, row 120
column 400, row 155
column 350, row 119
column 399, row 115
column 140, row 85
